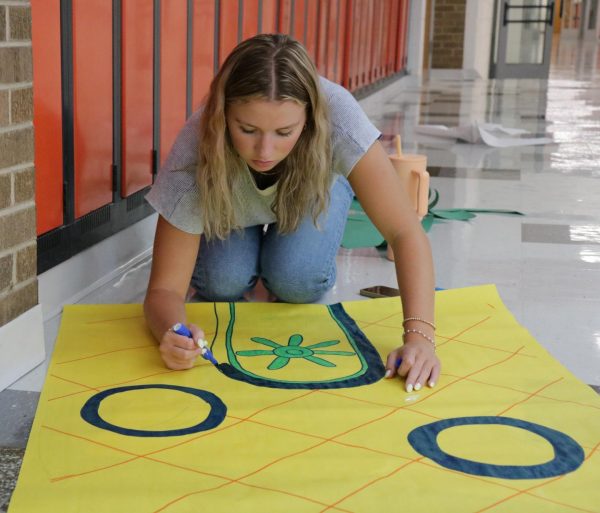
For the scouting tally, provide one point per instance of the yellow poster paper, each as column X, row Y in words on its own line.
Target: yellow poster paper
column 297, row 418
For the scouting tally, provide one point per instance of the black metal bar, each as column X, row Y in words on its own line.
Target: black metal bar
column 66, row 51
column 114, row 173
column 117, row 98
column 551, row 16
column 305, row 23
column 545, row 20
column 337, row 40
column 240, row 21
column 216, row 38
column 548, row 19
column 260, row 15
column 507, row 6
column 528, row 6
column 317, row 34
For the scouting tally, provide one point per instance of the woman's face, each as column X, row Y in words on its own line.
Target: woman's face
column 264, row 132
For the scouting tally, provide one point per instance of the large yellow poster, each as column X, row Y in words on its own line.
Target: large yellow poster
column 297, row 418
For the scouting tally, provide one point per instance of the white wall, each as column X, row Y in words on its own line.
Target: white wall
column 21, row 346
column 71, row 280
column 416, row 34
column 479, row 30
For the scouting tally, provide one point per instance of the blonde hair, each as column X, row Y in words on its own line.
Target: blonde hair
column 271, row 67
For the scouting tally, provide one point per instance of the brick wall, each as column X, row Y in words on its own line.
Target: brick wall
column 18, row 281
column 448, row 34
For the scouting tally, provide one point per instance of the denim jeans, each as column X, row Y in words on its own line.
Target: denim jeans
column 297, row 267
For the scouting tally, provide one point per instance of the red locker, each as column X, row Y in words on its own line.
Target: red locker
column 402, row 25
column 250, row 27
column 340, row 46
column 285, row 16
column 312, row 24
column 269, row 16
column 353, row 45
column 137, row 88
column 404, row 33
column 299, row 14
column 47, row 114
column 228, row 28
column 393, row 38
column 331, row 54
column 173, row 71
column 203, row 49
column 322, row 22
column 385, row 24
column 354, row 42
column 385, row 36
column 377, row 32
column 92, row 104
column 348, row 33
column 363, row 13
column 368, row 42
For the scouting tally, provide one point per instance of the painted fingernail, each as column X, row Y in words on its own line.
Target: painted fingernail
column 409, row 388
column 417, row 386
column 388, row 373
column 431, row 384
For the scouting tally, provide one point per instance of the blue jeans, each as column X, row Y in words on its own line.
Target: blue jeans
column 297, row 267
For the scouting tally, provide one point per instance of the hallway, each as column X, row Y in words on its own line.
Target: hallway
column 545, row 264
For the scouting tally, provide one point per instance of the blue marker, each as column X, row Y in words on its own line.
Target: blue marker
column 181, row 329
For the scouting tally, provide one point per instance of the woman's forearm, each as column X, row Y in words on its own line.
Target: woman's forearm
column 163, row 309
column 414, row 270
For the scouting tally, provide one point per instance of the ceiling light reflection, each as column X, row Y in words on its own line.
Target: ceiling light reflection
column 585, row 233
column 590, row 256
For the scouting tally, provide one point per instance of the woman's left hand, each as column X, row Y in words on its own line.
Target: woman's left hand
column 418, row 364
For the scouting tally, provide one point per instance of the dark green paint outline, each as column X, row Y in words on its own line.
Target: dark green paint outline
column 371, row 371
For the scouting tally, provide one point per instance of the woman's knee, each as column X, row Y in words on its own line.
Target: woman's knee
column 226, row 269
column 222, row 287
column 304, row 288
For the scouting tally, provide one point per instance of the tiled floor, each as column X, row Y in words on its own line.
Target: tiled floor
column 545, row 264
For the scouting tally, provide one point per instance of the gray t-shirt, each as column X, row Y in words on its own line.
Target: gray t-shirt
column 175, row 195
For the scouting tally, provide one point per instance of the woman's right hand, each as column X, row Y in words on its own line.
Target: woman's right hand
column 178, row 351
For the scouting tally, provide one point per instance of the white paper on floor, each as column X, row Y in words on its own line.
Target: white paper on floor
column 487, row 133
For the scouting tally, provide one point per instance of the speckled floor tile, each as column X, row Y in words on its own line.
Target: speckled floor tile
column 10, row 464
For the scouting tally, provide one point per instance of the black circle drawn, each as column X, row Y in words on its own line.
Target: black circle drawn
column 568, row 454
column 218, row 410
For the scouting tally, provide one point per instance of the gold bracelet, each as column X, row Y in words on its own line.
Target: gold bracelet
column 418, row 319
column 419, row 332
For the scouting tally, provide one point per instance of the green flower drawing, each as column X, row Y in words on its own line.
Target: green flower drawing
column 294, row 349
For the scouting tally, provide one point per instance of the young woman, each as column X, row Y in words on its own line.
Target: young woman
column 258, row 185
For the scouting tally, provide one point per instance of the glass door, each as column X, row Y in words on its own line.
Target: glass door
column 524, row 39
